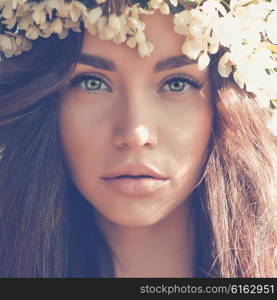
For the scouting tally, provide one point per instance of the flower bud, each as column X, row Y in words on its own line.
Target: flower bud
column 39, row 16
column 114, row 22
column 57, row 26
column 131, row 42
column 164, row 9
column 94, row 15
column 203, row 61
column 140, row 36
column 156, row 4
column 32, row 33
column 5, row 42
column 174, row 2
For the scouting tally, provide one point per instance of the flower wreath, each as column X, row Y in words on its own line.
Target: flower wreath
column 245, row 29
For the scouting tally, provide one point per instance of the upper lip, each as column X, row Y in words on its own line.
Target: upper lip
column 135, row 170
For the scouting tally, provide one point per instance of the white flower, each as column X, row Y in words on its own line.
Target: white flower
column 44, row 8
column 213, row 48
column 211, row 8
column 182, row 18
column 272, row 125
column 225, row 65
column 262, row 99
column 257, row 11
column 143, row 11
column 19, row 40
column 164, row 9
column 60, row 6
column 76, row 8
column 45, row 26
column 224, row 29
column 131, row 42
column 32, row 33
column 64, row 34
column 69, row 24
column 9, row 52
column 174, row 2
column 10, row 22
column 191, row 48
column 16, row 3
column 23, row 44
column 156, row 4
column 182, row 29
column 252, row 23
column 26, row 22
column 136, row 24
column 140, row 36
column 114, row 21
column 57, row 26
column 92, row 29
column 108, row 33
column 145, row 49
column 263, row 57
column 195, row 24
column 271, row 27
column 101, row 23
column 5, row 42
column 39, row 16
column 46, row 29
column 24, row 10
column 7, row 12
column 94, row 15
column 198, row 22
column 213, row 42
column 250, row 70
column 12, row 3
column 239, row 79
column 236, row 3
column 123, row 19
column 120, row 37
column 203, row 61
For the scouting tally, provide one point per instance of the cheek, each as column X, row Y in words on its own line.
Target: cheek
column 188, row 139
column 78, row 136
column 188, row 149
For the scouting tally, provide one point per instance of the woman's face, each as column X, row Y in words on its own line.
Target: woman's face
column 129, row 112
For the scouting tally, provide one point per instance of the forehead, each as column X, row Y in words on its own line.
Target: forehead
column 159, row 31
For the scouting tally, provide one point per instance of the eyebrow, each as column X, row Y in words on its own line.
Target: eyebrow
column 106, row 64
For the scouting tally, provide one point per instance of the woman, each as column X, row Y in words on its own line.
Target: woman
column 114, row 165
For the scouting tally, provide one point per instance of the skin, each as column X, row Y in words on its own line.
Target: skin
column 134, row 122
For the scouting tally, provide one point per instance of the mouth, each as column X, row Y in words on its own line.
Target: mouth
column 130, row 176
column 135, row 180
column 135, row 185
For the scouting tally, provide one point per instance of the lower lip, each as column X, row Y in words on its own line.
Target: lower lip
column 136, row 187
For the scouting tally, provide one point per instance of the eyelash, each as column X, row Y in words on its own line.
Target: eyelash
column 180, row 77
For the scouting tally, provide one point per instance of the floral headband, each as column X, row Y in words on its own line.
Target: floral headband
column 245, row 29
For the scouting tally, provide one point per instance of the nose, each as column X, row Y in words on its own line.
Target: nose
column 135, row 127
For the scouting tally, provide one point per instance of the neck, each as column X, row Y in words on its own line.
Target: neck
column 164, row 249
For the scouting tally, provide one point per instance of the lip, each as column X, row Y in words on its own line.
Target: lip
column 135, row 186
column 135, row 170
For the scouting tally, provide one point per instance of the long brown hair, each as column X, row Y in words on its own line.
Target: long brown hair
column 47, row 228
column 238, row 192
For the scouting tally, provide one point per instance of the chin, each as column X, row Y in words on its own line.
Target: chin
column 131, row 219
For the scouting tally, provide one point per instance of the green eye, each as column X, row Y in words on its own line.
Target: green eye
column 90, row 83
column 181, row 84
column 177, row 85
